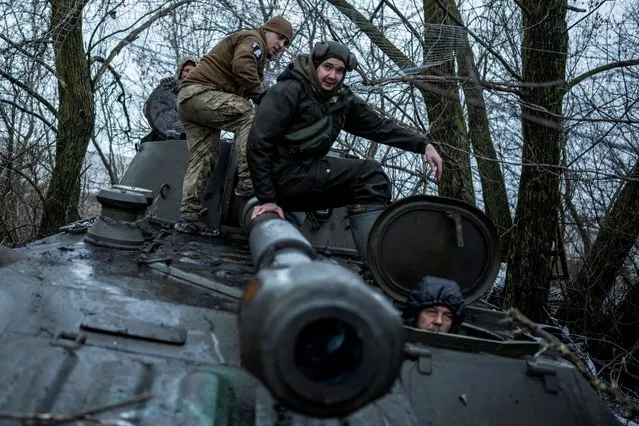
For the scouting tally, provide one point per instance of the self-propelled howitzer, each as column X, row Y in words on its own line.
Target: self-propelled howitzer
column 122, row 320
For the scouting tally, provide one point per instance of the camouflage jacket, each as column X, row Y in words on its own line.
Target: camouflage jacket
column 235, row 65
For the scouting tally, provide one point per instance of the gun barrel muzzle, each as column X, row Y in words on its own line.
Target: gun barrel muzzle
column 319, row 339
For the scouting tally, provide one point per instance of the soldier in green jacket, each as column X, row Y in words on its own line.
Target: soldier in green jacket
column 295, row 125
column 215, row 96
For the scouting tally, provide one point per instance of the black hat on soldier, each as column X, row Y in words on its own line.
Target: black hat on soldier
column 434, row 291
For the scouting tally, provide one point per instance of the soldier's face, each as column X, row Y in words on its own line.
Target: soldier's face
column 186, row 69
column 330, row 73
column 436, row 318
column 275, row 43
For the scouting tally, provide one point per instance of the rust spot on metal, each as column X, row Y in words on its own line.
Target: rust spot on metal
column 250, row 290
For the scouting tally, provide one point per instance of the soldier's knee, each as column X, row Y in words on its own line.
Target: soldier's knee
column 247, row 117
column 375, row 176
column 372, row 169
column 386, row 189
column 372, row 166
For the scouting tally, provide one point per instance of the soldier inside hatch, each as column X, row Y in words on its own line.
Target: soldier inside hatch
column 185, row 66
column 215, row 96
column 295, row 125
column 435, row 304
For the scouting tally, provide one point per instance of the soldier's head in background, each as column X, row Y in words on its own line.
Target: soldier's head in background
column 186, row 64
column 435, row 304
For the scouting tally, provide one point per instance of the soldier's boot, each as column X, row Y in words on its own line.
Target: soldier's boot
column 362, row 218
column 244, row 187
column 195, row 226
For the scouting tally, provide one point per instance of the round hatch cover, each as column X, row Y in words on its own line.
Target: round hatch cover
column 425, row 235
column 161, row 112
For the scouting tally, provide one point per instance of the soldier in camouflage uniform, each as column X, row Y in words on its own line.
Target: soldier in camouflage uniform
column 215, row 96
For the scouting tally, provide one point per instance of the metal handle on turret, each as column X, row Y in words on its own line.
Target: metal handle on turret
column 458, row 228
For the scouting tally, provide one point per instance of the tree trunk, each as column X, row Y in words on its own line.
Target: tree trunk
column 492, row 178
column 448, row 131
column 616, row 237
column 444, row 111
column 76, row 110
column 544, row 51
column 446, row 118
column 628, row 321
column 6, row 166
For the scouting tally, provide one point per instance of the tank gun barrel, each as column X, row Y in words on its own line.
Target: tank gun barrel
column 319, row 339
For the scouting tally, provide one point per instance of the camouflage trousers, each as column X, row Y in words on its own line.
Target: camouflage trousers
column 204, row 113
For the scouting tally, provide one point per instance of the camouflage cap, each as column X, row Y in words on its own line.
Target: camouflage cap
column 280, row 25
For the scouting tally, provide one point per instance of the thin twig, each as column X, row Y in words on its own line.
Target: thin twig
column 556, row 344
column 133, row 35
column 89, row 415
column 35, row 58
column 31, row 92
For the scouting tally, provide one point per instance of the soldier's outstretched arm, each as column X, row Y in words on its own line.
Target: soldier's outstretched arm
column 364, row 121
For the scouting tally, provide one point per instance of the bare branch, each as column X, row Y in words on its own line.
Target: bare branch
column 554, row 343
column 406, row 22
column 575, row 8
column 507, row 66
column 105, row 161
column 613, row 65
column 27, row 111
column 380, row 40
column 31, row 92
column 31, row 182
column 35, row 58
column 133, row 35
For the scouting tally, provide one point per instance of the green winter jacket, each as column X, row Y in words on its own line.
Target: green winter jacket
column 296, row 122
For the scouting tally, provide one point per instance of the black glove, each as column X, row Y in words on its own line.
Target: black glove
column 169, row 83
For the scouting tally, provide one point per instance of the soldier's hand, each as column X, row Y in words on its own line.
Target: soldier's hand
column 431, row 156
column 169, row 83
column 265, row 208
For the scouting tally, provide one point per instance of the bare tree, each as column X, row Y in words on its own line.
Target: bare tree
column 491, row 176
column 76, row 106
column 544, row 52
column 76, row 114
column 447, row 127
